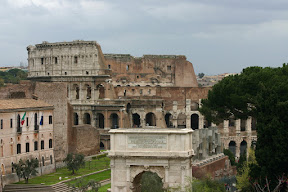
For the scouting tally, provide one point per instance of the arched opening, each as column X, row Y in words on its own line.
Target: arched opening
column 88, row 92
column 114, row 121
column 101, row 90
column 232, row 147
column 253, row 123
column 150, row 119
column 195, row 121
column 147, row 181
column 168, row 120
column 87, row 118
column 128, row 107
column 136, row 120
column 76, row 89
column 76, row 119
column 181, row 120
column 243, row 125
column 102, row 147
column 100, row 120
column 243, row 147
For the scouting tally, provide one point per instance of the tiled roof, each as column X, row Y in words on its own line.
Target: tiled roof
column 22, row 104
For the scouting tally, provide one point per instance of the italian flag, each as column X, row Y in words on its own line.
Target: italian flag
column 23, row 119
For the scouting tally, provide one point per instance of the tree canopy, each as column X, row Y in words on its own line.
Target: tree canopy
column 74, row 161
column 26, row 169
column 12, row 76
column 263, row 94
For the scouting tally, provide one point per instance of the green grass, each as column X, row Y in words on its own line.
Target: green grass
column 97, row 177
column 52, row 178
column 104, row 188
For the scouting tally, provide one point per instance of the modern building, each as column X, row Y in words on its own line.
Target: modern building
column 26, row 132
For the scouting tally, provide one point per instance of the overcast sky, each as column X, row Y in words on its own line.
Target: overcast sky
column 217, row 36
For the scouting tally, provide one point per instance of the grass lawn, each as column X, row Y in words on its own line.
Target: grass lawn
column 104, row 188
column 90, row 166
column 97, row 177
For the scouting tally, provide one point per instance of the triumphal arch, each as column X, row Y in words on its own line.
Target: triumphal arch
column 166, row 152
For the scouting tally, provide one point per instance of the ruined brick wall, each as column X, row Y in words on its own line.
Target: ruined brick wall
column 164, row 70
column 86, row 140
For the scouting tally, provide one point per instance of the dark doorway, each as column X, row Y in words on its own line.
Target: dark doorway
column 76, row 120
column 168, row 120
column 136, row 120
column 232, row 147
column 87, row 118
column 102, row 147
column 100, row 120
column 114, row 121
column 243, row 147
column 150, row 119
column 195, row 121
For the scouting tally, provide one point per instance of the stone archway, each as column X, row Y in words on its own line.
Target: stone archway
column 194, row 121
column 114, row 121
column 150, row 119
column 168, row 120
column 232, row 147
column 147, row 180
column 136, row 120
column 100, row 120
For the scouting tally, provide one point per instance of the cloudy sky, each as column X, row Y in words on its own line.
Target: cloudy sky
column 217, row 36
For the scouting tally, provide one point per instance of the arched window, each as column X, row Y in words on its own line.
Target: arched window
column 194, row 121
column 181, row 120
column 136, row 120
column 76, row 120
column 87, row 118
column 50, row 143
column 232, row 147
column 100, row 120
column 150, row 119
column 243, row 147
column 168, row 120
column 114, row 121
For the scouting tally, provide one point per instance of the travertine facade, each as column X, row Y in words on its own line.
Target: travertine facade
column 26, row 131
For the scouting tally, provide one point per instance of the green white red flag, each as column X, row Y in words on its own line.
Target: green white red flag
column 23, row 119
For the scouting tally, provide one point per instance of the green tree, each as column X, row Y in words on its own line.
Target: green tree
column 243, row 178
column 74, row 162
column 200, row 75
column 26, row 169
column 1, row 82
column 82, row 185
column 231, row 156
column 261, row 93
column 151, row 182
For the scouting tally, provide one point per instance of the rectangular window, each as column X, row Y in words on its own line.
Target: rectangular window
column 75, row 59
column 42, row 61
column 27, row 124
column 27, row 147
column 35, row 145
column 18, row 148
column 168, row 68
column 1, row 123
column 42, row 144
column 56, row 60
column 50, row 143
column 127, row 67
column 11, row 123
column 50, row 119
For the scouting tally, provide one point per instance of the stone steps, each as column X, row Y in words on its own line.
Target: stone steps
column 27, row 188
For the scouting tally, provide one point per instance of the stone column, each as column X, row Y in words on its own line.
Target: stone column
column 201, row 121
column 188, row 105
column 248, row 125
column 80, row 92
column 226, row 127
column 106, row 120
column 237, row 125
column 188, row 121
